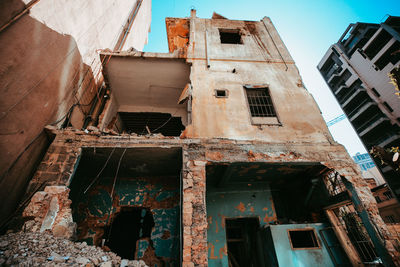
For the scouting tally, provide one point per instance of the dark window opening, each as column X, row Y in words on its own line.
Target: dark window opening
column 378, row 199
column 260, row 102
column 390, row 219
column 377, row 44
column 241, row 239
column 388, row 106
column 128, row 226
column 143, row 123
column 388, row 195
column 221, row 93
column 228, row 36
column 375, row 92
column 303, row 239
column 391, row 55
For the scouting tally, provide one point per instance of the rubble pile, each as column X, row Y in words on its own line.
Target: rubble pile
column 42, row 249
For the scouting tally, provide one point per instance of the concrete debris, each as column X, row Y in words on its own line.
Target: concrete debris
column 43, row 249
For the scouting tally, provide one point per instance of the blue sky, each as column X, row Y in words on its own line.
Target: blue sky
column 308, row 28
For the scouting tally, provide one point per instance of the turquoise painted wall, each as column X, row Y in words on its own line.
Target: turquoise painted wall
column 233, row 204
column 302, row 257
column 91, row 211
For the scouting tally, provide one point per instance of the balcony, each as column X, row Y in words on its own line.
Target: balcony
column 352, row 97
column 364, row 108
column 341, row 89
column 333, row 78
column 368, row 123
column 374, row 125
column 388, row 140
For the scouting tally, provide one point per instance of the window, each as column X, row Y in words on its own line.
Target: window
column 241, row 239
column 221, row 93
column 388, row 106
column 378, row 199
column 260, row 104
column 391, row 55
column 388, row 195
column 303, row 239
column 390, row 219
column 375, row 92
column 230, row 36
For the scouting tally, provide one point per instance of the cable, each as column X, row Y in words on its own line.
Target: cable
column 102, row 169
column 112, row 193
column 116, row 173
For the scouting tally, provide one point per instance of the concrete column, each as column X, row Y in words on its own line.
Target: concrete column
column 194, row 214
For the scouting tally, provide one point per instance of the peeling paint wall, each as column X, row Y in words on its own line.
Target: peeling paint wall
column 234, row 204
column 286, row 256
column 91, row 211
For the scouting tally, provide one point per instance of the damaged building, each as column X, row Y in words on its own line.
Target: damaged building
column 213, row 154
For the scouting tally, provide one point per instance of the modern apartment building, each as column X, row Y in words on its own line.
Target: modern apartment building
column 357, row 69
column 213, row 154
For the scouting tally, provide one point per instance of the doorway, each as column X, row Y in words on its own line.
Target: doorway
column 128, row 226
column 241, row 239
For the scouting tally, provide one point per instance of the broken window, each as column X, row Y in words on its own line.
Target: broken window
column 241, row 236
column 303, row 239
column 230, row 36
column 143, row 123
column 128, row 226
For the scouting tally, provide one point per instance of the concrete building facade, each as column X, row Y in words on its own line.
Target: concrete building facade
column 50, row 73
column 214, row 154
column 357, row 70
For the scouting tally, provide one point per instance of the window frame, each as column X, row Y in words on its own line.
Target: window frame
column 273, row 120
column 304, row 229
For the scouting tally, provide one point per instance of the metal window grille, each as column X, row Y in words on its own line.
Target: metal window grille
column 334, row 184
column 356, row 231
column 260, row 102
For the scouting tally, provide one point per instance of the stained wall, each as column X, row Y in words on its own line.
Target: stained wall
column 49, row 68
column 235, row 204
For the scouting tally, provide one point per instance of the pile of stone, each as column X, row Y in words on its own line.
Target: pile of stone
column 42, row 249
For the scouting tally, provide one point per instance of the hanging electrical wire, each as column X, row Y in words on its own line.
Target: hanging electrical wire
column 112, row 193
column 102, row 169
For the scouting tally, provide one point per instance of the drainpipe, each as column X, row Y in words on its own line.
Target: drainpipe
column 132, row 17
column 89, row 117
column 265, row 25
column 206, row 46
